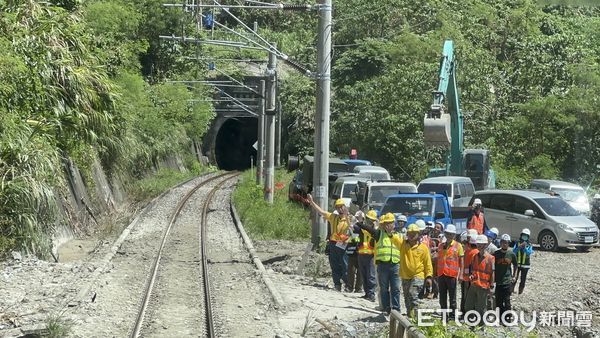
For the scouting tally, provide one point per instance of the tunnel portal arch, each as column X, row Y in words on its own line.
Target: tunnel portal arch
column 233, row 140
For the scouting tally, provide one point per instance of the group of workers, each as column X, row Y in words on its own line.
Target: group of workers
column 427, row 260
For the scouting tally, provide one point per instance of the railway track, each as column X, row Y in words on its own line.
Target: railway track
column 177, row 294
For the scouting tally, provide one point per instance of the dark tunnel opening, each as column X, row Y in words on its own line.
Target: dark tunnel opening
column 233, row 147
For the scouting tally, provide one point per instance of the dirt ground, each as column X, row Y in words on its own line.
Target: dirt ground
column 35, row 292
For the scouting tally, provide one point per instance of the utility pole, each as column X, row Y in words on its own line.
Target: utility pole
column 278, row 134
column 323, row 77
column 260, row 151
column 270, row 111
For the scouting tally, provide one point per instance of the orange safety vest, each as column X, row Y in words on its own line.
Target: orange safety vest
column 448, row 261
column 366, row 247
column 469, row 252
column 482, row 270
column 339, row 230
column 476, row 222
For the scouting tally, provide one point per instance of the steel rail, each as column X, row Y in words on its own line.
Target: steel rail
column 154, row 272
column 203, row 225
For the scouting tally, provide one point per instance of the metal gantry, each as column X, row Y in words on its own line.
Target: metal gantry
column 323, row 80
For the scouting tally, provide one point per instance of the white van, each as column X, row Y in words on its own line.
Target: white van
column 372, row 172
column 553, row 222
column 569, row 192
column 342, row 188
column 459, row 189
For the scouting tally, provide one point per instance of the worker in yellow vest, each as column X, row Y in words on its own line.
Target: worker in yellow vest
column 338, row 234
column 415, row 267
column 387, row 259
column 366, row 250
column 450, row 266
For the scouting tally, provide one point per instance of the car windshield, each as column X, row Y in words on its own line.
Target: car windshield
column 348, row 188
column 338, row 168
column 426, row 188
column 410, row 206
column 379, row 194
column 554, row 206
column 571, row 195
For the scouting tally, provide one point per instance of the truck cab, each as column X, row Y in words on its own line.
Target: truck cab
column 428, row 207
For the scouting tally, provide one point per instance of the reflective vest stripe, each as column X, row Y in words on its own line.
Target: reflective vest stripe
column 448, row 264
column 365, row 247
column 385, row 250
column 482, row 271
column 338, row 233
column 522, row 259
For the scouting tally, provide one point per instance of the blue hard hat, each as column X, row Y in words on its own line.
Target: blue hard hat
column 490, row 234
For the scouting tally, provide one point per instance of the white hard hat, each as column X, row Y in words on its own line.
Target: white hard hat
column 482, row 239
column 505, row 237
column 402, row 218
column 473, row 240
column 477, row 201
column 526, row 232
column 450, row 228
column 472, row 233
column 421, row 224
column 495, row 230
column 463, row 236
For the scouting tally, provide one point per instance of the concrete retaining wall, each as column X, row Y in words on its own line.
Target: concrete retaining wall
column 87, row 200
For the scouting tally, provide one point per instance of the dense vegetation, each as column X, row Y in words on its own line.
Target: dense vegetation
column 528, row 75
column 87, row 79
column 81, row 81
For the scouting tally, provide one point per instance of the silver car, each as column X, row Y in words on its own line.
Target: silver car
column 552, row 221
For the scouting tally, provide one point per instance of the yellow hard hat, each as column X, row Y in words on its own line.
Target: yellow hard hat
column 387, row 218
column 339, row 202
column 413, row 228
column 372, row 215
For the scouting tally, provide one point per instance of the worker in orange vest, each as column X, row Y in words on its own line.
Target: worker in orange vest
column 482, row 278
column 339, row 233
column 477, row 219
column 450, row 262
column 469, row 240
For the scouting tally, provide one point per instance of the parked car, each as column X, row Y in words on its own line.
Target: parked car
column 372, row 172
column 571, row 193
column 353, row 163
column 459, row 189
column 552, row 221
column 372, row 194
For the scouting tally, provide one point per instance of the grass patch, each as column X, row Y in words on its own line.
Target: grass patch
column 282, row 220
column 164, row 179
column 58, row 326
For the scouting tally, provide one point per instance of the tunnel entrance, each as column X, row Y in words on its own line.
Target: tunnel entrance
column 233, row 146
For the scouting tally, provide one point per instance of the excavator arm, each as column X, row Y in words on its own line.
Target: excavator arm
column 443, row 124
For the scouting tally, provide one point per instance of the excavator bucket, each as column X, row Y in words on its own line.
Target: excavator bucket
column 437, row 127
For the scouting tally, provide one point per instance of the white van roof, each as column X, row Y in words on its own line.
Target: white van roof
column 556, row 184
column 369, row 169
column 447, row 180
